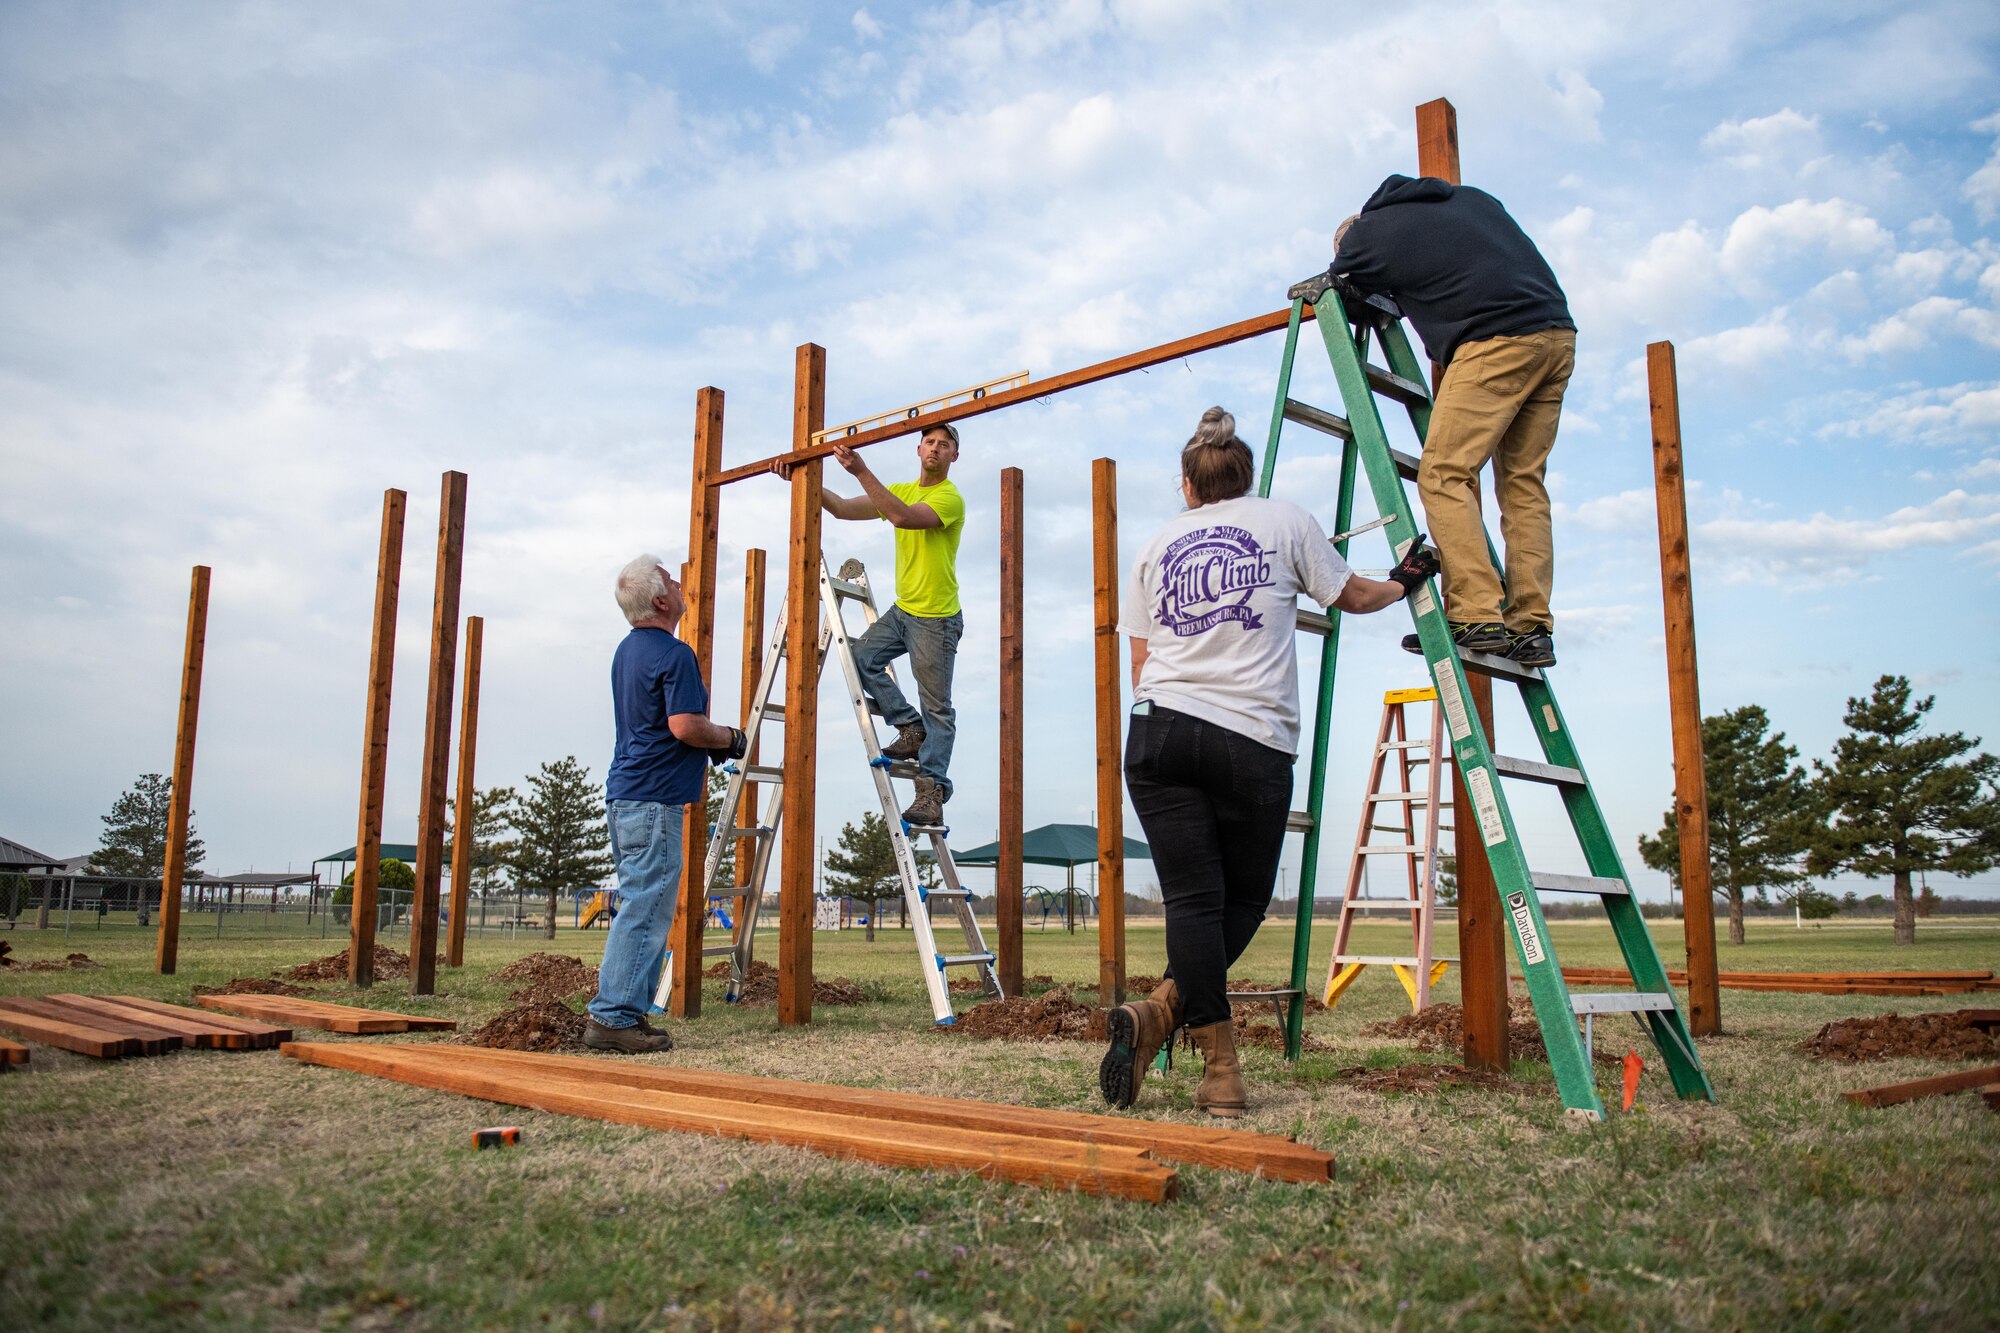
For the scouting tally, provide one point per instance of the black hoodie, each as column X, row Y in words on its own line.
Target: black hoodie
column 1458, row 265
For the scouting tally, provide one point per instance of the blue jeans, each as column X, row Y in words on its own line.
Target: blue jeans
column 646, row 846
column 932, row 644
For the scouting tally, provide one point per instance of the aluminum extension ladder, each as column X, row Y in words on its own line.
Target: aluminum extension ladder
column 1416, row 832
column 834, row 592
column 1365, row 449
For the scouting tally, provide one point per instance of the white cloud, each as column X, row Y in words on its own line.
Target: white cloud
column 1984, row 468
column 1942, row 414
column 1824, row 549
column 1782, row 141
column 770, row 45
column 1982, row 187
column 866, row 26
column 1761, row 238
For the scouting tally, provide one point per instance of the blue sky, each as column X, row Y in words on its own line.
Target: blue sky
column 259, row 262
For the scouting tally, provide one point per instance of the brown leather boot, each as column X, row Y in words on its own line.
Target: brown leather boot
column 1137, row 1030
column 1221, row 1093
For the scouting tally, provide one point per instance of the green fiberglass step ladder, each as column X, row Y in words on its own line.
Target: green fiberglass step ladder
column 1365, row 449
column 920, row 897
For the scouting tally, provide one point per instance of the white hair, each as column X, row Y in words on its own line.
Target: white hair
column 638, row 584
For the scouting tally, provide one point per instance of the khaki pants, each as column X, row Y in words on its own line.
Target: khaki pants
column 1500, row 401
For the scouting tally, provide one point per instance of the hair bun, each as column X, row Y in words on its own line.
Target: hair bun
column 1217, row 428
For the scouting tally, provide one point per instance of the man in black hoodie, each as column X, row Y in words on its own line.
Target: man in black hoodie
column 1493, row 317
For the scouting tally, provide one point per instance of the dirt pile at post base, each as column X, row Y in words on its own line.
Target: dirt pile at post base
column 1054, row 1016
column 549, row 978
column 1441, row 1029
column 252, row 986
column 761, row 986
column 1889, row 1036
column 1424, row 1078
column 547, row 1025
column 389, row 966
column 66, row 963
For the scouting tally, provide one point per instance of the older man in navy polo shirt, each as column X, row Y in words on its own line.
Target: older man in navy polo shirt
column 665, row 744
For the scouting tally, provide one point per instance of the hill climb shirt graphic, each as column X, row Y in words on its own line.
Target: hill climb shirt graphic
column 1207, row 579
column 1215, row 594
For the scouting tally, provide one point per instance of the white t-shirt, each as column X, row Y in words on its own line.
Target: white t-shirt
column 1215, row 594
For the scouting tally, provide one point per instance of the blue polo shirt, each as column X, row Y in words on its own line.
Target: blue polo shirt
column 653, row 677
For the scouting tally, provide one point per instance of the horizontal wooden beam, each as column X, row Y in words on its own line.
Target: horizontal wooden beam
column 1033, row 389
column 1894, row 1094
column 326, row 1017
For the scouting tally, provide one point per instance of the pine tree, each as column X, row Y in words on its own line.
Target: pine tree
column 563, row 843
column 492, row 849
column 135, row 832
column 864, row 865
column 1760, row 814
column 1901, row 802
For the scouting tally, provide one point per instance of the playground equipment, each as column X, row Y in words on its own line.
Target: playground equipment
column 598, row 908
column 1397, row 752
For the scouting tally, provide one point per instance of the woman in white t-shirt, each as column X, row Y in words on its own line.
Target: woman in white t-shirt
column 1212, row 611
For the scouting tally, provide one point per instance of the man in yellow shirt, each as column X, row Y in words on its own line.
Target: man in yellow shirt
column 925, row 621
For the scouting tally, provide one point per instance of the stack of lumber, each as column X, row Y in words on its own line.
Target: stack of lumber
column 106, row 1027
column 326, row 1017
column 12, row 1053
column 1986, row 1082
column 1810, row 983
column 1096, row 1154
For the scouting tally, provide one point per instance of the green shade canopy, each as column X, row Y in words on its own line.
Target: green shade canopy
column 1053, row 845
column 406, row 852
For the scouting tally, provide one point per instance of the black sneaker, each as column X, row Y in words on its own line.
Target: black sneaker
column 1532, row 647
column 1485, row 637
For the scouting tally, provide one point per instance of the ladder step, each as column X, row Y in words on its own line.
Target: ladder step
column 760, row 831
column 1284, row 994
column 1406, row 464
column 763, row 773
column 939, row 829
column 1317, row 418
column 776, row 712
column 1390, row 849
column 929, row 894
column 1534, row 770
column 1315, row 622
column 717, row 950
column 1632, row 1002
column 851, row 591
column 731, row 891
column 1492, row 664
column 1383, row 798
column 1385, row 960
column 1381, row 905
column 1298, row 821
column 898, row 768
column 961, row 959
column 1598, row 884
column 1391, row 385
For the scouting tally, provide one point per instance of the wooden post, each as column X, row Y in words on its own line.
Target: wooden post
column 1007, row 866
column 436, row 773
column 802, row 620
column 753, row 666
column 1482, row 930
column 1684, row 695
column 1110, row 736
column 375, row 745
column 698, row 632
column 466, row 826
column 166, row 952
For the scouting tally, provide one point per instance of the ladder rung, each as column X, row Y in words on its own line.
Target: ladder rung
column 1609, row 888
column 717, row 950
column 776, row 712
column 1404, row 745
column 1318, row 418
column 1384, row 960
column 1284, row 994
column 1298, row 821
column 1314, row 622
column 898, row 768
column 1534, row 770
column 929, row 894
column 1391, row 385
column 760, row 831
column 1406, row 464
column 961, row 959
column 1413, row 796
column 1382, row 905
column 909, row 828
column 731, row 891
column 1492, row 664
column 763, row 773
column 1632, row 1002
column 1391, row 849
column 843, row 588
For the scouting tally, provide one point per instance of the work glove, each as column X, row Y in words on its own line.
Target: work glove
column 1420, row 562
column 739, row 745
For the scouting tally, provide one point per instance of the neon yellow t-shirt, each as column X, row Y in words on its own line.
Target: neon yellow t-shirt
column 927, row 558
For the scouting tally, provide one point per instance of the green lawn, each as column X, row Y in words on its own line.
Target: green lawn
column 208, row 1188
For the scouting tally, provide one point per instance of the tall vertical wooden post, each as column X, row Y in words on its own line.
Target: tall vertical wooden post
column 436, row 773
column 698, row 632
column 1110, row 737
column 1684, row 694
column 465, row 827
column 1007, row 865
column 375, row 745
column 1482, row 932
column 166, row 952
column 802, row 620
column 753, row 667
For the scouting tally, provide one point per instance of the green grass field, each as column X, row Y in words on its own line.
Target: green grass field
column 242, row 1189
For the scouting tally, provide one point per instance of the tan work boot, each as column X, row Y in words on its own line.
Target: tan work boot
column 909, row 742
column 639, row 1039
column 1221, row 1093
column 1137, row 1030
column 927, row 810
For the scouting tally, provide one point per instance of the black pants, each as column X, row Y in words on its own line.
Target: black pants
column 1213, row 803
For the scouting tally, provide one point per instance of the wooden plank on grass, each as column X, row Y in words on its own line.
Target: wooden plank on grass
column 262, row 1036
column 1894, row 1094
column 12, row 1053
column 1987, row 1019
column 191, row 1025
column 152, row 1040
column 1266, row 1155
column 1092, row 1168
column 96, row 1042
column 327, row 1017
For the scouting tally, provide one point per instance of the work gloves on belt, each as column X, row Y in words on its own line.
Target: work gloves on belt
column 1420, row 562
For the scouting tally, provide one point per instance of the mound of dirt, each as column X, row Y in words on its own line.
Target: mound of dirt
column 1055, row 1016
column 550, row 977
column 544, row 1026
column 1441, row 1029
column 761, row 986
column 64, row 964
column 1271, row 1037
column 1888, row 1036
column 1313, row 1005
column 1423, row 1078
column 389, row 966
column 252, row 986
